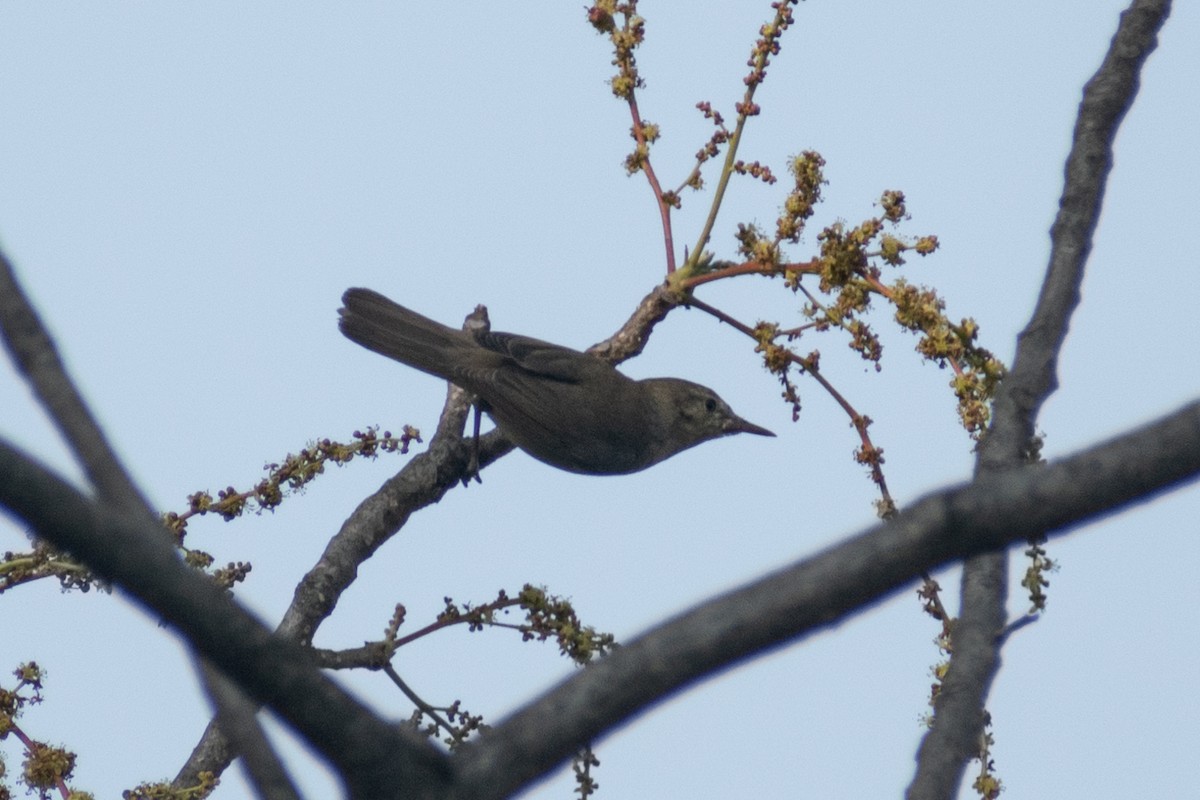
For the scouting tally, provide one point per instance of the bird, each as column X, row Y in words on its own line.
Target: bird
column 569, row 409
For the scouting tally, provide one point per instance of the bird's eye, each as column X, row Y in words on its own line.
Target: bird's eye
column 710, row 405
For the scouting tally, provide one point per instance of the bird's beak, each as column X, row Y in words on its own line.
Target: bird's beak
column 739, row 425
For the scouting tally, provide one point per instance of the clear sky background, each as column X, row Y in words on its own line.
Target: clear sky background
column 186, row 190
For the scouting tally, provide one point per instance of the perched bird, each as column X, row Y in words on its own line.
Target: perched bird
column 566, row 408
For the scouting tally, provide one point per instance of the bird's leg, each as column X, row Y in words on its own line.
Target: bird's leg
column 473, row 464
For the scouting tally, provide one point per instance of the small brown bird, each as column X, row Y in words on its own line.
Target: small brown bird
column 566, row 408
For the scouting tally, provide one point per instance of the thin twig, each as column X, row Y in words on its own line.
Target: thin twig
column 810, row 368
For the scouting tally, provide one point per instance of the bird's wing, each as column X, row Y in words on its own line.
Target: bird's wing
column 540, row 358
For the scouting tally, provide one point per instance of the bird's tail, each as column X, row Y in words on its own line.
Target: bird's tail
column 390, row 329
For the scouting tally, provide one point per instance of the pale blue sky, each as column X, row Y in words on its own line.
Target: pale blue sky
column 186, row 190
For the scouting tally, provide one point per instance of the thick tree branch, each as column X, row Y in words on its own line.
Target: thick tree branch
column 953, row 737
column 986, row 515
column 376, row 758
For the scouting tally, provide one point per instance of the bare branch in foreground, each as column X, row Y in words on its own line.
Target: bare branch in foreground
column 376, row 758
